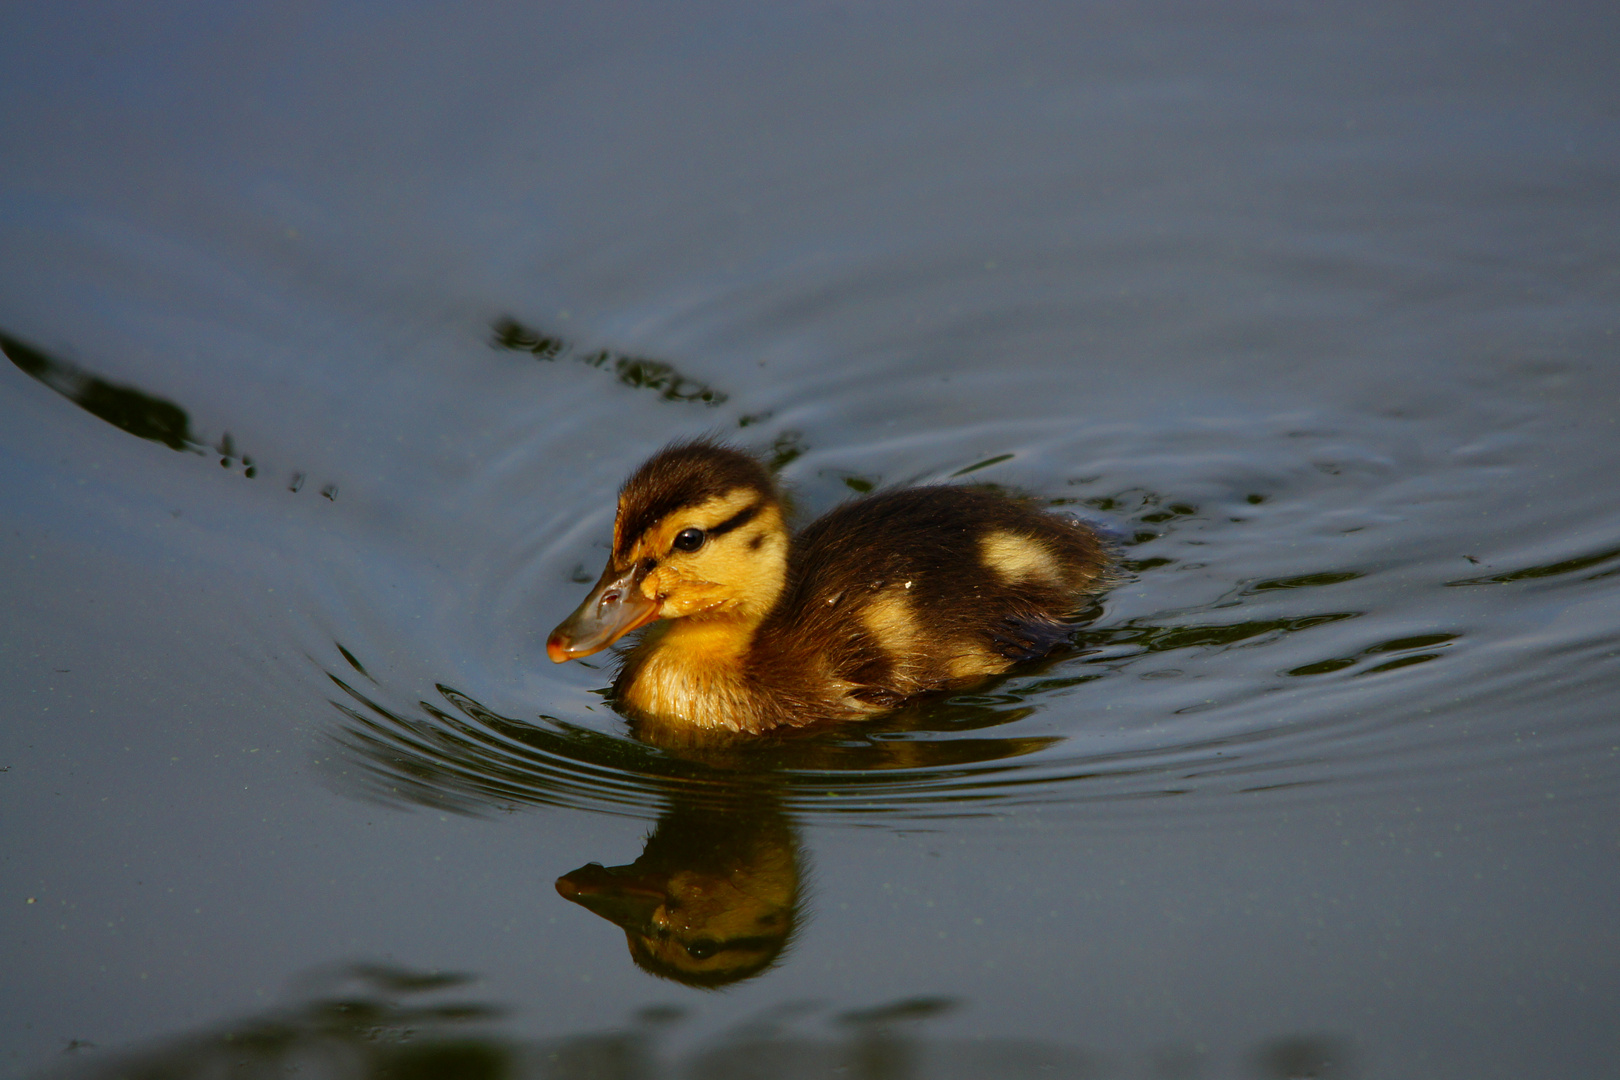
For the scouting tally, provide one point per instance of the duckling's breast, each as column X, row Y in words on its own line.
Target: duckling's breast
column 688, row 671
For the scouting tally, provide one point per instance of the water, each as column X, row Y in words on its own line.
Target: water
column 333, row 334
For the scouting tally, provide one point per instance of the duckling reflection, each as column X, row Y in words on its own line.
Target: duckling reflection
column 713, row 899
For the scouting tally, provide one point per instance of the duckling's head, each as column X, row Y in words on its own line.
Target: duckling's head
column 699, row 535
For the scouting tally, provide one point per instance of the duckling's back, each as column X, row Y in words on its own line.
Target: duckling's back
column 920, row 589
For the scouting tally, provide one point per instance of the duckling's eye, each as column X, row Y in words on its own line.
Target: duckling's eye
column 702, row 949
column 689, row 539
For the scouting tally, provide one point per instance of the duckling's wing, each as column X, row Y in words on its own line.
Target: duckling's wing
column 925, row 588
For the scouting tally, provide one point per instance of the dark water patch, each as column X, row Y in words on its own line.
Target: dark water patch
column 1418, row 641
column 140, row 414
column 985, row 464
column 919, row 1008
column 785, row 449
column 365, row 1020
column 1139, row 504
column 1400, row 645
column 636, row 372
column 1317, row 1056
column 136, row 412
column 368, row 1021
column 1304, row 581
column 1150, row 638
column 1324, row 667
column 1556, row 569
column 1174, row 510
column 513, row 335
column 1142, row 516
column 1400, row 662
column 860, row 485
column 353, row 662
column 1064, row 683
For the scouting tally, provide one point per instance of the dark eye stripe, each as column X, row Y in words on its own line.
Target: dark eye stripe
column 735, row 521
column 705, row 948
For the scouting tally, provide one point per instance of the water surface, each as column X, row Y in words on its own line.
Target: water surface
column 333, row 333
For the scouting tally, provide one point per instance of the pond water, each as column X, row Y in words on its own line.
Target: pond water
column 333, row 331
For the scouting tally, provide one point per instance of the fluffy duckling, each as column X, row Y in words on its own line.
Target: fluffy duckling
column 882, row 599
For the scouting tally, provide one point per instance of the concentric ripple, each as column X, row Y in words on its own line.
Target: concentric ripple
column 1289, row 684
column 1297, row 619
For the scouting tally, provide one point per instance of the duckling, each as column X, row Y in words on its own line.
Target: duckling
column 750, row 629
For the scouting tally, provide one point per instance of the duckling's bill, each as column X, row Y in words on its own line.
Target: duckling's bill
column 614, row 608
column 618, row 894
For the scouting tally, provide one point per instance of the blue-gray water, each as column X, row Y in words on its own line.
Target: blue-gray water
column 333, row 331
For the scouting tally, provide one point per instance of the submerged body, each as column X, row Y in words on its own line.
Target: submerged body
column 880, row 600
